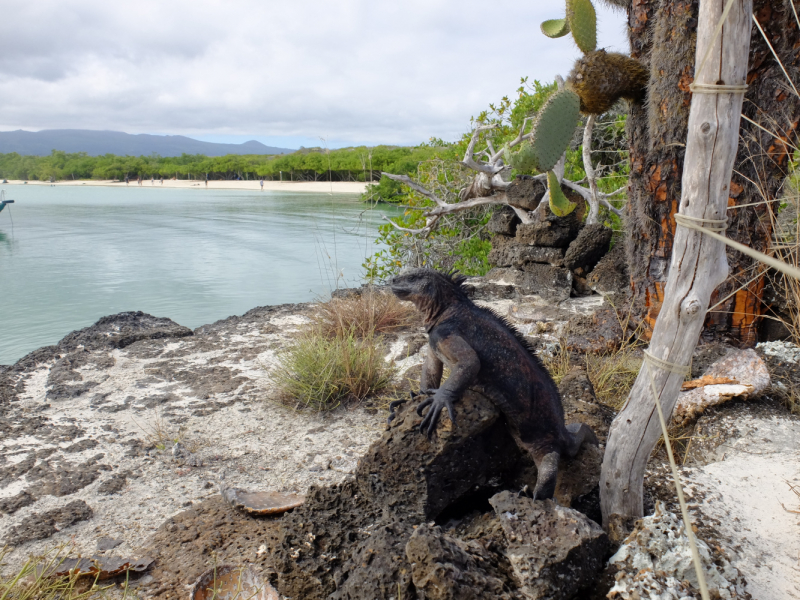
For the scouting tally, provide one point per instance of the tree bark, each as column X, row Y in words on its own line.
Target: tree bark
column 663, row 34
column 698, row 263
column 760, row 169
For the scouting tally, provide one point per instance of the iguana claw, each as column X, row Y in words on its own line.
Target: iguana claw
column 437, row 404
column 393, row 406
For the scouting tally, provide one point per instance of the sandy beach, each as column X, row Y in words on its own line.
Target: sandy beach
column 335, row 187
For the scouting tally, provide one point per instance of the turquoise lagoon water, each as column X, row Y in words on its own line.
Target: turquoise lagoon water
column 75, row 254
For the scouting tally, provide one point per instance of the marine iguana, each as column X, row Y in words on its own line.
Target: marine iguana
column 481, row 347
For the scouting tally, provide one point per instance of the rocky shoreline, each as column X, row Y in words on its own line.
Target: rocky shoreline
column 89, row 426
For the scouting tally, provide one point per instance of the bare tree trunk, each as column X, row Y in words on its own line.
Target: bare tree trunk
column 698, row 263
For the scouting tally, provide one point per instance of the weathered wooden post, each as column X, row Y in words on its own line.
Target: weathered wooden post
column 698, row 263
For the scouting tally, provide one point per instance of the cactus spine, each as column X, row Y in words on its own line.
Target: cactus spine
column 601, row 78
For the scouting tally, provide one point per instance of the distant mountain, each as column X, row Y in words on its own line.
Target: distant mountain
column 95, row 143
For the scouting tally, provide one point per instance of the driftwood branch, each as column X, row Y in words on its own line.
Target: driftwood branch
column 469, row 154
column 489, row 185
column 498, row 156
column 592, row 199
column 416, row 187
column 432, row 216
column 602, row 198
column 430, row 224
column 698, row 262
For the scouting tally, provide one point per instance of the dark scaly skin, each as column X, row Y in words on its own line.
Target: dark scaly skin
column 478, row 346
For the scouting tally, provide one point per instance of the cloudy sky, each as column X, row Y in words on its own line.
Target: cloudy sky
column 285, row 73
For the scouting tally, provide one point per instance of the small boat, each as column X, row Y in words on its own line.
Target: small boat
column 3, row 200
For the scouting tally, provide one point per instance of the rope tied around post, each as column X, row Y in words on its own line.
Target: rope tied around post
column 717, row 225
column 713, row 227
column 717, row 88
column 658, row 363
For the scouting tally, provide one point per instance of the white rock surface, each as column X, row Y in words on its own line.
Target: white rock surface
column 786, row 351
column 656, row 561
column 146, row 397
column 743, row 366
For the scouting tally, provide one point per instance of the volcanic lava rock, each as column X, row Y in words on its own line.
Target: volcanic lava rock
column 525, row 193
column 503, row 221
column 550, row 230
column 12, row 504
column 610, row 276
column 42, row 526
column 121, row 330
column 508, row 252
column 349, row 541
column 372, row 537
column 586, row 250
column 405, row 468
column 446, row 568
column 555, row 552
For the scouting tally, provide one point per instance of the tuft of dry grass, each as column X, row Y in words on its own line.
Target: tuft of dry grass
column 786, row 247
column 796, row 491
column 612, row 373
column 339, row 358
column 558, row 362
column 787, row 392
column 160, row 434
column 33, row 581
column 369, row 314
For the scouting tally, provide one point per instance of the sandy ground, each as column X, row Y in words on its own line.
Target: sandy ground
column 747, row 494
column 212, row 390
column 322, row 187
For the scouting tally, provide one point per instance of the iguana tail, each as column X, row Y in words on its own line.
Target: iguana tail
column 577, row 434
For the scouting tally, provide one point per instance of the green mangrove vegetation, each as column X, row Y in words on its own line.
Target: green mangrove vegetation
column 307, row 164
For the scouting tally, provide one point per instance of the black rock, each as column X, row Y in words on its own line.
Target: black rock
column 588, row 248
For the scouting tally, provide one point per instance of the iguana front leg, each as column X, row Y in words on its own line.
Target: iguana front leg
column 429, row 381
column 431, row 377
column 464, row 365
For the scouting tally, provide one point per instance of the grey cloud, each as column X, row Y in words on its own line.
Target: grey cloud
column 385, row 72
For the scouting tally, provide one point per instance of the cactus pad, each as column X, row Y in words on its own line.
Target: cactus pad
column 560, row 206
column 555, row 28
column 554, row 128
column 523, row 161
column 582, row 21
column 601, row 78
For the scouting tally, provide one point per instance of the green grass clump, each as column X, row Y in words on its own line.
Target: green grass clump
column 323, row 372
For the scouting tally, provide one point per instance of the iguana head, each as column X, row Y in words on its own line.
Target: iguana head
column 429, row 290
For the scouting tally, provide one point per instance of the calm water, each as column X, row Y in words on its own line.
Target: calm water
column 74, row 255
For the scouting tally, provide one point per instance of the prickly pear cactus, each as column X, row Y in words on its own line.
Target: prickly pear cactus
column 582, row 21
column 523, row 161
column 555, row 28
column 559, row 204
column 554, row 128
